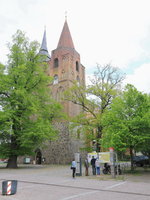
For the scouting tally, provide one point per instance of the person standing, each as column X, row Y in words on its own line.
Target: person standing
column 73, row 167
column 97, row 164
column 86, row 164
column 93, row 160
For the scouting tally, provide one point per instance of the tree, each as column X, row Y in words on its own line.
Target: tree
column 127, row 121
column 95, row 98
column 145, row 149
column 28, row 111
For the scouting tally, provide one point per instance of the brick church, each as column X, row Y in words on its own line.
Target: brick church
column 64, row 66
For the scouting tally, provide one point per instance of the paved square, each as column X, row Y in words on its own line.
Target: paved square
column 54, row 182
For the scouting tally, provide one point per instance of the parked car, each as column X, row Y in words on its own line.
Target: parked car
column 141, row 160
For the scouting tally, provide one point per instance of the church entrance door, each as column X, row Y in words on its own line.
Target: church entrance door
column 38, row 157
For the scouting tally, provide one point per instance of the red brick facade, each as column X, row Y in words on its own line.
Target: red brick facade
column 65, row 66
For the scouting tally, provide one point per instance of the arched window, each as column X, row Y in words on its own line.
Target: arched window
column 78, row 80
column 55, row 79
column 77, row 66
column 56, row 62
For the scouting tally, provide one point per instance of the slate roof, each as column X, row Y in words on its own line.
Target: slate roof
column 43, row 49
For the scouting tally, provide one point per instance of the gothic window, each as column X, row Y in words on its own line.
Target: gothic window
column 56, row 62
column 77, row 66
column 78, row 80
column 55, row 79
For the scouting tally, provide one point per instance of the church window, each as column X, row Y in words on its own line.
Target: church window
column 77, row 66
column 55, row 79
column 78, row 80
column 56, row 62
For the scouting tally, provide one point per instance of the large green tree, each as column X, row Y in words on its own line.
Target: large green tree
column 27, row 109
column 127, row 122
column 145, row 149
column 104, row 85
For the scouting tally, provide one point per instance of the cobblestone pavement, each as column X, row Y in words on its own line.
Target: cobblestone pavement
column 56, row 183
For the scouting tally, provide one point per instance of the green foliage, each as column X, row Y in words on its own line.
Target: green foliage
column 2, row 68
column 95, row 99
column 28, row 110
column 105, row 85
column 127, row 122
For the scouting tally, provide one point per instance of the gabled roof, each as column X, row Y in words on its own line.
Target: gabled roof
column 43, row 49
column 65, row 37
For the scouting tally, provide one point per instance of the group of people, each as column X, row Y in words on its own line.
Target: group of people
column 95, row 163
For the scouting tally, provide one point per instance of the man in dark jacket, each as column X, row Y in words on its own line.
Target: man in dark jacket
column 93, row 160
column 86, row 164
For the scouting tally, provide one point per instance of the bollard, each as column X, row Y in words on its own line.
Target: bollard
column 9, row 187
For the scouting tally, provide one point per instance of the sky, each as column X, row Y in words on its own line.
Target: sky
column 103, row 31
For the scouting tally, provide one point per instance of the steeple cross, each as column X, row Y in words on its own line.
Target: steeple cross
column 66, row 15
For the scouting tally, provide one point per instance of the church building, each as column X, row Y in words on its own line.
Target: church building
column 64, row 65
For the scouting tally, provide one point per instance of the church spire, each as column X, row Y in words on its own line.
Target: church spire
column 43, row 49
column 65, row 37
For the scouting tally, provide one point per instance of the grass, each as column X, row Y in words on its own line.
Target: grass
column 139, row 171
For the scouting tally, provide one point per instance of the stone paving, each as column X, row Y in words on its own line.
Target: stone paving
column 55, row 183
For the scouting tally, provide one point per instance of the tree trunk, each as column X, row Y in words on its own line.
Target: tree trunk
column 99, row 134
column 131, row 156
column 12, row 162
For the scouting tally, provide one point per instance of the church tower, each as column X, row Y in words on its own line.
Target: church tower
column 65, row 67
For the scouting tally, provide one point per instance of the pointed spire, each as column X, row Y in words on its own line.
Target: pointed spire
column 65, row 37
column 43, row 49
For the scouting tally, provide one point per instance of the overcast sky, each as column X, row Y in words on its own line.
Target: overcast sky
column 103, row 31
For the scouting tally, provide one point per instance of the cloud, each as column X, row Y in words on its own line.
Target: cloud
column 140, row 78
column 103, row 32
column 25, row 5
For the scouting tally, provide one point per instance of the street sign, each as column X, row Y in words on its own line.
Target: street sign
column 111, row 149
